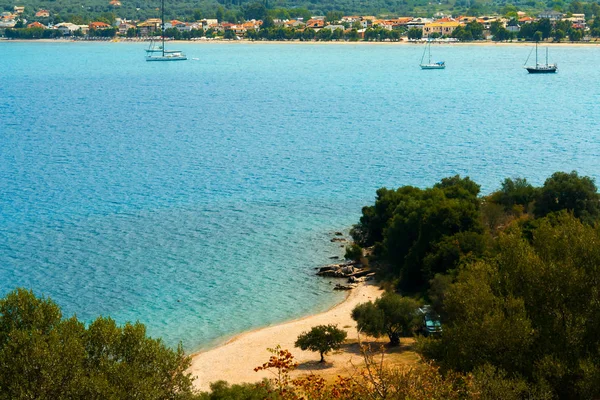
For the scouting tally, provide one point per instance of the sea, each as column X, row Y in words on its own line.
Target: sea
column 198, row 197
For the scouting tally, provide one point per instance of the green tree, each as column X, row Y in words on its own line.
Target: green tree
column 559, row 35
column 391, row 315
column 267, row 22
column 575, row 35
column 44, row 356
column 255, row 11
column 322, row 339
column 220, row 14
column 414, row 33
column 333, row 16
column 515, row 192
column 569, row 191
column 230, row 34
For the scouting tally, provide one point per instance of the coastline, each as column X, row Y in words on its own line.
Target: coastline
column 311, row 43
column 234, row 360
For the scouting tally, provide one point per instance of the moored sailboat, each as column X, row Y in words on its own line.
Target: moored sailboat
column 156, row 51
column 429, row 64
column 539, row 68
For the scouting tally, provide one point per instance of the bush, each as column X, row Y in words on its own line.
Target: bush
column 353, row 252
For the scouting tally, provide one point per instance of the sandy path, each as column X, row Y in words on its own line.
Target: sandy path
column 234, row 361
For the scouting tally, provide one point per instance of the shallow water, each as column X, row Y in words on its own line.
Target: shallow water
column 198, row 196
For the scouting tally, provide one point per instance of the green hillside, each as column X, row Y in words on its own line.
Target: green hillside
column 237, row 10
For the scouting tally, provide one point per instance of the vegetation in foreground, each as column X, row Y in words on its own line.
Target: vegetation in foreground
column 45, row 356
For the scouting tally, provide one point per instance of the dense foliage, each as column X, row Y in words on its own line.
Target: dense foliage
column 515, row 276
column 422, row 232
column 43, row 356
column 532, row 311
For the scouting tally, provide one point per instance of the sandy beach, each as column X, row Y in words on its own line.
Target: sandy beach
column 235, row 360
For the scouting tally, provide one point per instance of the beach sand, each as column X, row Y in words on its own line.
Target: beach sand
column 235, row 360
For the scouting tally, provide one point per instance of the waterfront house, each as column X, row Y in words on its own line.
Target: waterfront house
column 400, row 21
column 526, row 20
column 19, row 9
column 42, row 14
column 334, row 27
column 36, row 25
column 351, row 19
column 551, row 15
column 125, row 26
column 441, row 28
column 418, row 23
column 315, row 23
column 464, row 19
column 149, row 26
column 7, row 23
column 383, row 24
column 294, row 24
column 67, row 28
column 98, row 25
column 208, row 22
column 252, row 25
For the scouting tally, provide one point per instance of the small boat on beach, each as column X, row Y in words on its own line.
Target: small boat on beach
column 156, row 51
column 429, row 64
column 540, row 68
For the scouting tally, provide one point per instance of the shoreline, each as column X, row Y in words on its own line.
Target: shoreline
column 308, row 43
column 234, row 360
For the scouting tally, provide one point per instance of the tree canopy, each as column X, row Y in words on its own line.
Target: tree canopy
column 391, row 315
column 532, row 311
column 44, row 356
column 322, row 339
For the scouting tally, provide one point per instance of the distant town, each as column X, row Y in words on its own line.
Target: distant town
column 549, row 25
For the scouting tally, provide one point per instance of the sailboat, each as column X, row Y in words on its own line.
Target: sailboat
column 429, row 64
column 540, row 68
column 156, row 51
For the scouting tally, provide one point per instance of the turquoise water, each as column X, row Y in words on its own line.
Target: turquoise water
column 197, row 197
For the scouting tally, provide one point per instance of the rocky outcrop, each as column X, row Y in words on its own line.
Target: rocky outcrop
column 348, row 269
column 344, row 287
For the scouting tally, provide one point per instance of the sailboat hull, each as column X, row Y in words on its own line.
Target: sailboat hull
column 541, row 70
column 432, row 66
column 166, row 58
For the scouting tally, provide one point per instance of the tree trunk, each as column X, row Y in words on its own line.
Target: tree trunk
column 394, row 339
column 322, row 358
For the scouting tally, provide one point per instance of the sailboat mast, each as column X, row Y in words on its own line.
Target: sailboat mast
column 429, row 52
column 162, row 18
column 546, row 55
column 536, row 60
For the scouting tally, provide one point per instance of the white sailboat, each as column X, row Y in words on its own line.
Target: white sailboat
column 156, row 51
column 429, row 64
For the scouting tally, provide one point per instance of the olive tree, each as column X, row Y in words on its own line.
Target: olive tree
column 321, row 338
column 391, row 315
